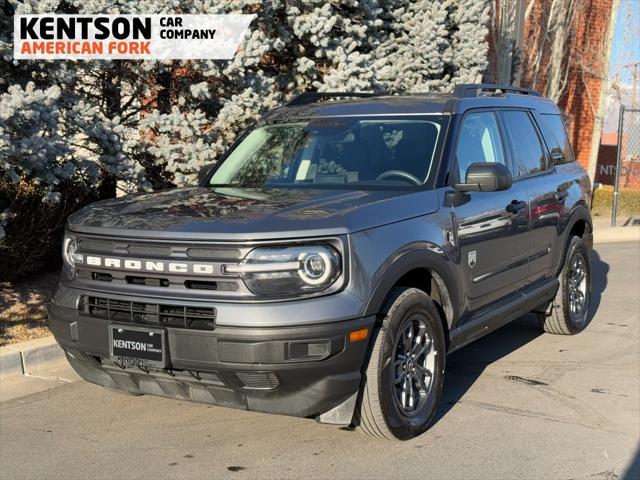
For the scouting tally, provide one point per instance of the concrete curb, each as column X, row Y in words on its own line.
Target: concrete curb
column 616, row 234
column 23, row 358
column 10, row 362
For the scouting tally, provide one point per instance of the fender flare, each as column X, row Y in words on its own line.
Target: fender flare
column 438, row 263
column 579, row 213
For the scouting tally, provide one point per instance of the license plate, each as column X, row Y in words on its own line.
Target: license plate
column 137, row 346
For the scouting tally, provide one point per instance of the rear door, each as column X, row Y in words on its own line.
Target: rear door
column 545, row 188
column 492, row 227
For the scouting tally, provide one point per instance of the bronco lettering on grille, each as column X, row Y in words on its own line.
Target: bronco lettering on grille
column 139, row 265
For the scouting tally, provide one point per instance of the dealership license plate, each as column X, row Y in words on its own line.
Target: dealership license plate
column 137, row 346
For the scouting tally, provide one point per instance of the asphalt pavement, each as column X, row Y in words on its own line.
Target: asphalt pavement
column 517, row 404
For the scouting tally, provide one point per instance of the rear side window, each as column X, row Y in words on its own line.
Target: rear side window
column 555, row 136
column 525, row 144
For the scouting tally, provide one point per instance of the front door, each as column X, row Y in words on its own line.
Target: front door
column 492, row 227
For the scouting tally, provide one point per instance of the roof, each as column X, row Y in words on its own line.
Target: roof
column 464, row 97
column 375, row 105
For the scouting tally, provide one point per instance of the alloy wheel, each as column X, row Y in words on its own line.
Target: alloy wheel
column 414, row 362
column 578, row 288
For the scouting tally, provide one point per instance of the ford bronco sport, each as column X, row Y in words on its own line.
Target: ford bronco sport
column 329, row 263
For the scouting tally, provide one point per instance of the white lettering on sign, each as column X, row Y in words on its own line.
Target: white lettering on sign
column 130, row 345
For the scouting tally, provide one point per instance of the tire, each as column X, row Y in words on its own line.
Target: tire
column 380, row 412
column 565, row 318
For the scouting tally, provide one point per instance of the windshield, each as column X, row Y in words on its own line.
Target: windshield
column 329, row 152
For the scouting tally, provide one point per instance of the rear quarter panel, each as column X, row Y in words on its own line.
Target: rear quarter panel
column 577, row 204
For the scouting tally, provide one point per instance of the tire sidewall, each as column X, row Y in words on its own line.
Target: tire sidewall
column 403, row 426
column 576, row 246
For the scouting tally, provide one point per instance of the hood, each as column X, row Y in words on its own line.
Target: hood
column 250, row 214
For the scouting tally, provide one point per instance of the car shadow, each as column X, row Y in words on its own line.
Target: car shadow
column 599, row 274
column 633, row 469
column 466, row 365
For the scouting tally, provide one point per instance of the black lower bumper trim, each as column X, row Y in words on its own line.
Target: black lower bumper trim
column 206, row 367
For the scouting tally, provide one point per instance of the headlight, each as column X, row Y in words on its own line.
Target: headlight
column 69, row 256
column 288, row 270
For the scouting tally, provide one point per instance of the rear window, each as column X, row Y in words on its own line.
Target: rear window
column 555, row 136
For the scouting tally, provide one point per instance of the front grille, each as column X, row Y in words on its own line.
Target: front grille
column 136, row 248
column 95, row 245
column 148, row 281
column 116, row 278
column 215, row 253
column 149, row 250
column 178, row 316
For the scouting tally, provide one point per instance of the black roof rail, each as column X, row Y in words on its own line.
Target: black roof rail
column 466, row 90
column 313, row 97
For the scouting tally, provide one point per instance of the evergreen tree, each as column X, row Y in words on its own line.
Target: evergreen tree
column 154, row 124
column 85, row 128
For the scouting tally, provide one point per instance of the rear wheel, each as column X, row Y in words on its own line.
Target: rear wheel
column 570, row 310
column 405, row 372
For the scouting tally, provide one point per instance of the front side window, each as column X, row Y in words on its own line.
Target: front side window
column 479, row 141
column 328, row 152
column 525, row 144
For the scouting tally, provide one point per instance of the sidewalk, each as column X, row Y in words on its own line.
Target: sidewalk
column 626, row 230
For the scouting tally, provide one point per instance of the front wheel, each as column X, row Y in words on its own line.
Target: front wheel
column 570, row 310
column 404, row 376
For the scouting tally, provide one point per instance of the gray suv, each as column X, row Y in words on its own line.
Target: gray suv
column 329, row 263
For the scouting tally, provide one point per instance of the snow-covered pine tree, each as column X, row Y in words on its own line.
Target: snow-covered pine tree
column 431, row 45
column 151, row 124
column 294, row 46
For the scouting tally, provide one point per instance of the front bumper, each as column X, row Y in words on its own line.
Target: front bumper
column 258, row 368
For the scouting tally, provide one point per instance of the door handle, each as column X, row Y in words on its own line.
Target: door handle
column 561, row 194
column 515, row 206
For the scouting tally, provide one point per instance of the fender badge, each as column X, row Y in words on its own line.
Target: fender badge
column 471, row 259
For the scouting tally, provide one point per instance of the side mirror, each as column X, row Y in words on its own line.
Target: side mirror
column 485, row 177
column 203, row 172
column 557, row 157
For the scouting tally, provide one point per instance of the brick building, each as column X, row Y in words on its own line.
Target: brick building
column 561, row 49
